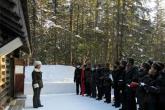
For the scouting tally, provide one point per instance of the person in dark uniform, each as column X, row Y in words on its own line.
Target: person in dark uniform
column 77, row 78
column 143, row 71
column 152, row 88
column 83, row 80
column 131, row 80
column 107, row 83
column 88, row 80
column 161, row 85
column 115, row 75
column 93, row 80
column 99, row 82
column 121, row 85
column 150, row 62
column 37, row 84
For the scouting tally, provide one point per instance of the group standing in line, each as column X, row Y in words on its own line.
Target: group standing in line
column 135, row 87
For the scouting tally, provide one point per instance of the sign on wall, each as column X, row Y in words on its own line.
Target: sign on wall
column 19, row 69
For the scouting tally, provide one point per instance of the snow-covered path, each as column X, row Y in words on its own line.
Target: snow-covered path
column 68, row 102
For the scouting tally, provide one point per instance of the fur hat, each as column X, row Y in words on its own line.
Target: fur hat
column 37, row 63
column 124, row 63
column 150, row 62
column 162, row 65
column 157, row 66
column 146, row 66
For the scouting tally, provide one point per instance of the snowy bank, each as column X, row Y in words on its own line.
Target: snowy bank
column 57, row 79
column 52, row 73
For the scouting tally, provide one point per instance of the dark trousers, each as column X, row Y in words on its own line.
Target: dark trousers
column 152, row 102
column 130, row 100
column 36, row 97
column 161, row 104
column 140, row 100
column 117, row 95
column 123, row 100
column 77, row 87
column 88, row 88
column 100, row 92
column 94, row 90
column 108, row 94
column 152, row 106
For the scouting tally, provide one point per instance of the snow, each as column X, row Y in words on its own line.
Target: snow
column 52, row 73
column 59, row 91
column 52, row 88
column 78, row 36
column 137, row 44
column 98, row 30
column 57, row 79
column 140, row 49
column 142, row 55
column 68, row 102
column 89, row 14
column 130, row 35
column 48, row 24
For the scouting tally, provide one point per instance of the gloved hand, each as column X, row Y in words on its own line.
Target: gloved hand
column 121, row 80
column 134, row 85
column 142, row 84
column 36, row 85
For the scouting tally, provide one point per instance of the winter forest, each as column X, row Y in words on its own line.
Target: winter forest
column 97, row 31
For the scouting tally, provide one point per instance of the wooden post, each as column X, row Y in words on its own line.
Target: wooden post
column 19, row 75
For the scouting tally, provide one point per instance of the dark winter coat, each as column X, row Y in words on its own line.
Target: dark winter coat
column 151, row 96
column 88, row 75
column 115, row 76
column 121, row 80
column 107, row 81
column 140, row 90
column 77, row 75
column 93, row 77
column 99, row 77
column 118, row 78
column 131, row 75
column 161, row 95
column 37, row 78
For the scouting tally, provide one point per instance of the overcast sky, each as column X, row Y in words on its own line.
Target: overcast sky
column 152, row 6
column 152, row 3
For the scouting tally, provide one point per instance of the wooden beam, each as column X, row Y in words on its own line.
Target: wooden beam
column 11, row 46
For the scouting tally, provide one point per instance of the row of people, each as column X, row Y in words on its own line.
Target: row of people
column 145, row 83
column 94, row 81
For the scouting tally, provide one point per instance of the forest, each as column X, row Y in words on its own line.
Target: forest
column 96, row 31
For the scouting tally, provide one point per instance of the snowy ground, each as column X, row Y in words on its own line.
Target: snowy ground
column 68, row 102
column 59, row 91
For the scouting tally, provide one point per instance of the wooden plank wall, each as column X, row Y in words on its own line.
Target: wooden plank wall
column 4, row 80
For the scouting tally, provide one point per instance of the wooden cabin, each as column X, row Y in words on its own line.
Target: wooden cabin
column 15, row 48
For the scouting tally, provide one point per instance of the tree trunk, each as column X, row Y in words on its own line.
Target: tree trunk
column 71, row 30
